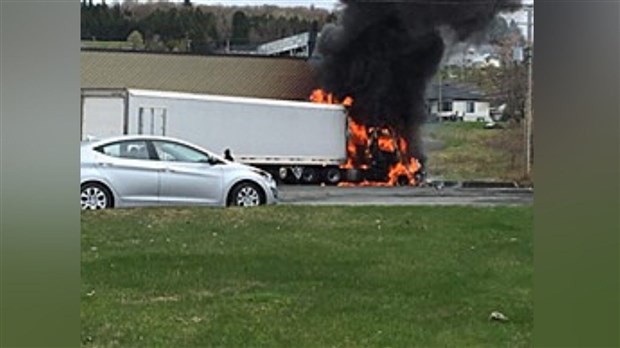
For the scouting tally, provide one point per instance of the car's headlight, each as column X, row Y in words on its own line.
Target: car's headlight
column 264, row 174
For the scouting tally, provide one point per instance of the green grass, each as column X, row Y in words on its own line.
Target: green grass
column 467, row 151
column 307, row 277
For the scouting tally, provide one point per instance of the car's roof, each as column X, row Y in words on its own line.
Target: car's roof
column 133, row 137
column 98, row 142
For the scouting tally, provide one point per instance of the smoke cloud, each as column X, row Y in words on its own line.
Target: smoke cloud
column 383, row 54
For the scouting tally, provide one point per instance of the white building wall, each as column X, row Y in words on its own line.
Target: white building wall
column 459, row 108
column 482, row 110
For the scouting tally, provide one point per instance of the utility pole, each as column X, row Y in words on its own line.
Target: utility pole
column 528, row 99
column 439, row 95
column 463, row 64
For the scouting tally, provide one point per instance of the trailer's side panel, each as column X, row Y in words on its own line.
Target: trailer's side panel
column 102, row 116
column 259, row 132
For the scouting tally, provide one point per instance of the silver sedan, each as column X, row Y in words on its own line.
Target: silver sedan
column 150, row 171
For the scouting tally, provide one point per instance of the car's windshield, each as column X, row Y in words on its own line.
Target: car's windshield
column 169, row 151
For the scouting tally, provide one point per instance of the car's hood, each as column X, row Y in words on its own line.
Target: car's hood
column 240, row 166
column 236, row 165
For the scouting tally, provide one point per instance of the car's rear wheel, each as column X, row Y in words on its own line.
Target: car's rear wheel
column 247, row 194
column 94, row 196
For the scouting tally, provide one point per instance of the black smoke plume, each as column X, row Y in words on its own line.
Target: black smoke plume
column 383, row 53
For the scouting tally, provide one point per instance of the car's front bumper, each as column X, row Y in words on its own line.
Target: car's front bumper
column 272, row 194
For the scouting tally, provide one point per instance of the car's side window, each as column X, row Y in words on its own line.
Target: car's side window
column 174, row 152
column 133, row 149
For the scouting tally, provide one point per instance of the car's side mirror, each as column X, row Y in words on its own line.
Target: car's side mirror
column 213, row 161
column 208, row 160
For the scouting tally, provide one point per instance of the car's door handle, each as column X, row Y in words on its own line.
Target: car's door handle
column 104, row 164
column 170, row 170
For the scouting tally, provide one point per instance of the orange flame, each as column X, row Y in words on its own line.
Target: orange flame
column 402, row 145
column 386, row 143
column 358, row 145
column 400, row 170
column 358, row 139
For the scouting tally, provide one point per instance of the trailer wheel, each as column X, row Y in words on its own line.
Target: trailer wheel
column 333, row 176
column 309, row 175
column 283, row 173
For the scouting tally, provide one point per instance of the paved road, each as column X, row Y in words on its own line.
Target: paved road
column 317, row 195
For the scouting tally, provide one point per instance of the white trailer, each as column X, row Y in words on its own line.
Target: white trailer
column 297, row 141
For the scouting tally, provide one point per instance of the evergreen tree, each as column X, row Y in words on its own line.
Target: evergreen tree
column 240, row 28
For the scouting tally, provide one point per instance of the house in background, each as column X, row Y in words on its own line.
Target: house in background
column 468, row 55
column 301, row 45
column 457, row 102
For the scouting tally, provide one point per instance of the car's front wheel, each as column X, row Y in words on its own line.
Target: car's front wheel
column 246, row 194
column 95, row 196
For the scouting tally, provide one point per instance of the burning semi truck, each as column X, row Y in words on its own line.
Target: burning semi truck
column 378, row 58
column 298, row 142
column 376, row 156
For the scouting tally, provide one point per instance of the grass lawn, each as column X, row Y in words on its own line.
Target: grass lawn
column 298, row 276
column 467, row 151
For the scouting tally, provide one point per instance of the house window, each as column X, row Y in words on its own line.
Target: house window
column 471, row 107
column 446, row 106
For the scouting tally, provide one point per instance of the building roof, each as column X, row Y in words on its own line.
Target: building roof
column 454, row 91
column 245, row 76
column 467, row 54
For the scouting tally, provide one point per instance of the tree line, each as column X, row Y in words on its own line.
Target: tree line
column 165, row 26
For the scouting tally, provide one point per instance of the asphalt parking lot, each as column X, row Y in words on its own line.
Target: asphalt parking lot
column 330, row 195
